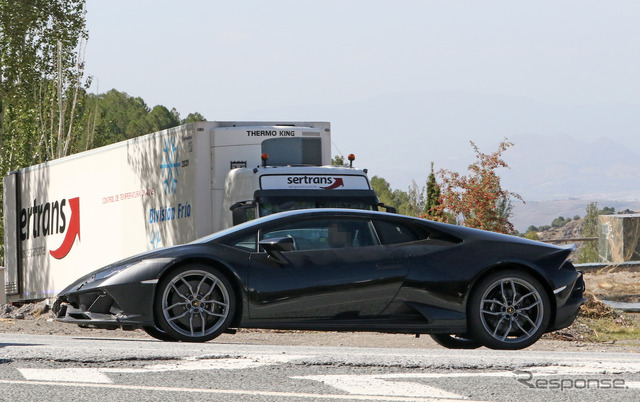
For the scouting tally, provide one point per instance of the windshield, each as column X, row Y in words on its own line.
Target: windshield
column 271, row 205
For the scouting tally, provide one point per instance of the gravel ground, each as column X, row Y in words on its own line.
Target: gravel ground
column 36, row 318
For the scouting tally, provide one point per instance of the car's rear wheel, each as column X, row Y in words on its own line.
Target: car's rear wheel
column 194, row 303
column 509, row 310
column 453, row 341
column 157, row 333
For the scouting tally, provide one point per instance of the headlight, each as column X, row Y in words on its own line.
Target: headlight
column 109, row 272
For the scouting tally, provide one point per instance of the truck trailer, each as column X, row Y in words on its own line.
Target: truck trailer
column 70, row 216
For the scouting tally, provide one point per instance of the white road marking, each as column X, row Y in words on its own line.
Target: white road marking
column 396, row 386
column 193, row 364
column 84, row 375
column 98, row 376
column 271, row 394
column 380, row 384
column 593, row 368
column 374, row 385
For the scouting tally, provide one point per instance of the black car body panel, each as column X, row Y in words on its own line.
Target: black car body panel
column 401, row 275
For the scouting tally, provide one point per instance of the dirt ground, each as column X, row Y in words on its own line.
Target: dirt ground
column 610, row 284
column 36, row 318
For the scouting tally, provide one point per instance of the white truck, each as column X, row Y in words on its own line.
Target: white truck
column 70, row 216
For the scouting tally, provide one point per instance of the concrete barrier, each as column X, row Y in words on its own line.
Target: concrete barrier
column 619, row 238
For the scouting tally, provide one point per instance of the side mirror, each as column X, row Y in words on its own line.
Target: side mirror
column 274, row 247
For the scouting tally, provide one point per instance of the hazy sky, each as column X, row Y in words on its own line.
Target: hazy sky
column 257, row 60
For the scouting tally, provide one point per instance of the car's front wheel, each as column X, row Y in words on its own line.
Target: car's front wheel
column 508, row 310
column 194, row 303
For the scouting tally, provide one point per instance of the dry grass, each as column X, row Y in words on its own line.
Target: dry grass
column 598, row 322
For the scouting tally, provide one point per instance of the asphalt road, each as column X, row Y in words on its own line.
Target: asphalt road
column 45, row 367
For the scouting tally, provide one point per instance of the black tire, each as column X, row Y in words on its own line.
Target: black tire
column 455, row 342
column 194, row 303
column 157, row 333
column 508, row 310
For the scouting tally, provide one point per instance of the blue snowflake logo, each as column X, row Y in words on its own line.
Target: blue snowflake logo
column 170, row 165
column 156, row 240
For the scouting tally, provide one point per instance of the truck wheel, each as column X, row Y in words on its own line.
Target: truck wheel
column 194, row 303
column 455, row 341
column 508, row 310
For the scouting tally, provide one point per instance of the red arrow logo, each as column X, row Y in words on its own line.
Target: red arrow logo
column 72, row 232
column 337, row 183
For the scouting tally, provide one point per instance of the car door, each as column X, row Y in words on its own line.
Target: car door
column 336, row 269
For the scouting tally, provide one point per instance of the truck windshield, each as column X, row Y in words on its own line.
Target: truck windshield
column 271, row 205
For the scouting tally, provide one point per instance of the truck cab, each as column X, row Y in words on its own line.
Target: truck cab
column 261, row 191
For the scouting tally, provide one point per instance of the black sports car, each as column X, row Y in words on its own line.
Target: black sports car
column 338, row 270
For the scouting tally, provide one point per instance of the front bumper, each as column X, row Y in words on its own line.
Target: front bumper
column 120, row 295
column 127, row 306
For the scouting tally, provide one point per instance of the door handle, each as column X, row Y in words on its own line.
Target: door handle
column 391, row 265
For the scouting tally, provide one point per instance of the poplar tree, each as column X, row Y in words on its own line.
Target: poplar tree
column 433, row 194
column 40, row 71
column 589, row 252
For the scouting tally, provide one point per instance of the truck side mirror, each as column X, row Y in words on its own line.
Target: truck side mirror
column 388, row 208
column 243, row 212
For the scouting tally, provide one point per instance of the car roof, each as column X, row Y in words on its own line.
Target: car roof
column 319, row 212
column 312, row 212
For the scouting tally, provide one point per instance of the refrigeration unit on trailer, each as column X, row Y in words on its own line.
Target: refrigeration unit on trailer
column 70, row 216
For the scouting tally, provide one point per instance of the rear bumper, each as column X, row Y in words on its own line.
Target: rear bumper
column 568, row 307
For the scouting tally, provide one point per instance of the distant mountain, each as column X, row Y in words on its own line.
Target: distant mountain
column 545, row 167
column 540, row 213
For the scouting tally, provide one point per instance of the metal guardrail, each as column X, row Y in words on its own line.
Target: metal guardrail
column 570, row 240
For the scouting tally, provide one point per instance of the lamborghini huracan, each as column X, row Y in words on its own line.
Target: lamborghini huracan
column 338, row 270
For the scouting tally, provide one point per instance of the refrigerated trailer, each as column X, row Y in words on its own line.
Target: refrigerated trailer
column 70, row 216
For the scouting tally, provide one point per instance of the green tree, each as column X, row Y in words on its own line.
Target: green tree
column 504, row 209
column 193, row 118
column 433, row 195
column 558, row 222
column 589, row 252
column 412, row 202
column 607, row 211
column 531, row 235
column 126, row 115
column 383, row 189
column 40, row 71
column 161, row 118
column 116, row 116
column 416, row 201
column 338, row 160
column 477, row 200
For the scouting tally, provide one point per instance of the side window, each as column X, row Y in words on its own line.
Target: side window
column 247, row 243
column 325, row 234
column 393, row 233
